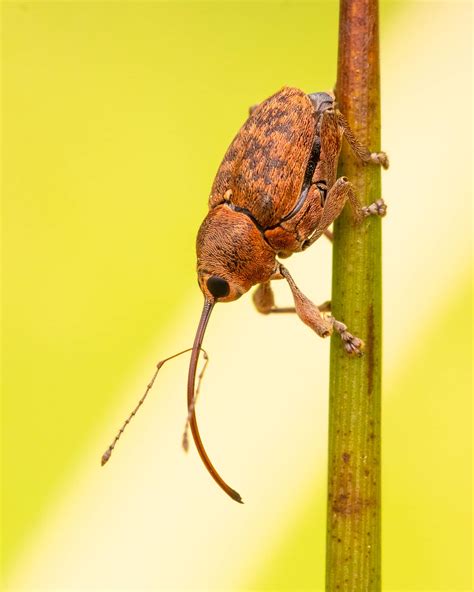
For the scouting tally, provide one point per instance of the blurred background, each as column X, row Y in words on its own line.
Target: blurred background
column 115, row 118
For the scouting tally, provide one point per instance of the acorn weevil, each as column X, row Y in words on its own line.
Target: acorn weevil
column 275, row 193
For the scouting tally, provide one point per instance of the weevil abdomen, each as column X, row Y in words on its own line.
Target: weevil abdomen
column 265, row 166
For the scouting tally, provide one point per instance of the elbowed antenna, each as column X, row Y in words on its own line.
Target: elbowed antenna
column 108, row 452
column 206, row 313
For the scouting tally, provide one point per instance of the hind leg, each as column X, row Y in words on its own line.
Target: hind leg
column 361, row 151
column 308, row 312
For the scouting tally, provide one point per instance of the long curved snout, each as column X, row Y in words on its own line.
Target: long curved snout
column 206, row 313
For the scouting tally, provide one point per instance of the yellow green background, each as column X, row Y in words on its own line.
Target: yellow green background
column 115, row 117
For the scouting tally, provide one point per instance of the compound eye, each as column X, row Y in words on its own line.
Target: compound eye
column 218, row 287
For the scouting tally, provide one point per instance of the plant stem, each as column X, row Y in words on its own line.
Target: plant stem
column 353, row 561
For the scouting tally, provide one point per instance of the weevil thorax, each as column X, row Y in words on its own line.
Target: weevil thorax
column 322, row 101
column 232, row 255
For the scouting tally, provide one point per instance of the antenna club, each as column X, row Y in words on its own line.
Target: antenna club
column 106, row 456
column 185, row 443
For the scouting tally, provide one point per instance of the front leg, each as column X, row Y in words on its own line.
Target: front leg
column 308, row 312
column 264, row 301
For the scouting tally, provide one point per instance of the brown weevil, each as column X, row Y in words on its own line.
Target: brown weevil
column 275, row 193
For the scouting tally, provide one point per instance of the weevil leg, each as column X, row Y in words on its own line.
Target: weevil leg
column 353, row 345
column 305, row 309
column 329, row 235
column 310, row 314
column 325, row 306
column 263, row 298
column 378, row 208
column 340, row 192
column 363, row 153
column 264, row 301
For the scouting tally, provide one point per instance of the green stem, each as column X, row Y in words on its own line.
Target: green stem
column 353, row 559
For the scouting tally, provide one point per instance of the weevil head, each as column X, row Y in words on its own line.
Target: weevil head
column 232, row 255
